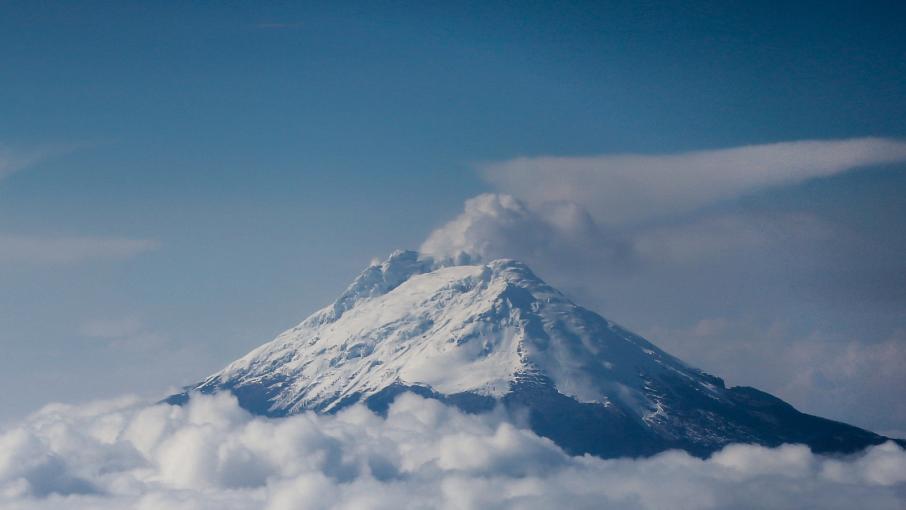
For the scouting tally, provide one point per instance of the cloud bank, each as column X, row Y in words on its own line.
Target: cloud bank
column 627, row 188
column 213, row 455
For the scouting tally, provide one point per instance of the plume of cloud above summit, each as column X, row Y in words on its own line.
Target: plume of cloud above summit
column 633, row 187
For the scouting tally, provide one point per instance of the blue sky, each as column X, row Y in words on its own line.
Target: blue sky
column 206, row 174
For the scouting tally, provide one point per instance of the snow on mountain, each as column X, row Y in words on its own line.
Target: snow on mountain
column 480, row 335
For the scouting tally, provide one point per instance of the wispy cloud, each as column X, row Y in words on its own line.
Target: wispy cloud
column 107, row 329
column 17, row 158
column 126, row 333
column 12, row 161
column 69, row 249
column 630, row 187
column 36, row 249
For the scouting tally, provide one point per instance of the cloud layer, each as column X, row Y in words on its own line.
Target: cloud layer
column 212, row 454
column 618, row 189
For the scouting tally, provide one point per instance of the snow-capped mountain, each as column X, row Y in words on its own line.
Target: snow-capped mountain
column 484, row 335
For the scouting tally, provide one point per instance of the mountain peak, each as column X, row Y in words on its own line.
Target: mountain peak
column 377, row 279
column 381, row 277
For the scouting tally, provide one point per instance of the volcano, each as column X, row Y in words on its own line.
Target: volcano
column 481, row 336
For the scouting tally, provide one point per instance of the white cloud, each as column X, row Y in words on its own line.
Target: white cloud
column 617, row 189
column 501, row 226
column 211, row 454
column 69, row 249
column 562, row 237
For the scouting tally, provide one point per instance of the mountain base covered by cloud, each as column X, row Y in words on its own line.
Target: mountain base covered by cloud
column 422, row 454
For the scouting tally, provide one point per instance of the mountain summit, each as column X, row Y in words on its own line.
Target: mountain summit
column 483, row 335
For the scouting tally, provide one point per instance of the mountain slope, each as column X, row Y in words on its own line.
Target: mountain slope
column 477, row 336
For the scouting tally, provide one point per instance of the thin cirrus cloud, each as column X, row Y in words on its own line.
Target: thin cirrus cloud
column 13, row 161
column 64, row 250
column 7, row 166
column 625, row 188
column 422, row 454
column 16, row 158
column 59, row 250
